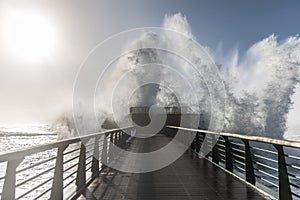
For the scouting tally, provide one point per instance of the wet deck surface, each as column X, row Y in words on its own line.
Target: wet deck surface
column 187, row 178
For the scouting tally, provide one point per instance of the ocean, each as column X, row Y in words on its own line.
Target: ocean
column 20, row 136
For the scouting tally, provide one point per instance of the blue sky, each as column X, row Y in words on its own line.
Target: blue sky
column 238, row 22
column 80, row 25
column 231, row 22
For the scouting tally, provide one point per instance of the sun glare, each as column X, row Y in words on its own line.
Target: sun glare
column 29, row 36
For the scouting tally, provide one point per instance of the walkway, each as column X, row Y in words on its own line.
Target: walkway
column 187, row 178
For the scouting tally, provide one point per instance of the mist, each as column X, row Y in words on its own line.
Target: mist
column 260, row 83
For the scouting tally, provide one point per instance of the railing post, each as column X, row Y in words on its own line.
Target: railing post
column 284, row 183
column 198, row 146
column 9, row 187
column 120, row 138
column 110, row 151
column 193, row 144
column 250, row 176
column 202, row 137
column 116, row 138
column 186, row 140
column 57, row 190
column 95, row 162
column 123, row 139
column 104, row 152
column 215, row 151
column 204, row 146
column 81, row 175
column 228, row 155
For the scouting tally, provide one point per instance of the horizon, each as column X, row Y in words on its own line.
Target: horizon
column 38, row 68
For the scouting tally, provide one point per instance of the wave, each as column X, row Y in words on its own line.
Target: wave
column 259, row 84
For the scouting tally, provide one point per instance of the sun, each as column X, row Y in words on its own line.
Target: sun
column 29, row 36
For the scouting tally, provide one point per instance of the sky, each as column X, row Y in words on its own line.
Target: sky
column 80, row 25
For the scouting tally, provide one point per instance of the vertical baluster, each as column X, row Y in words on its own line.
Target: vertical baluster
column 57, row 190
column 104, row 152
column 120, row 137
column 197, row 138
column 215, row 151
column 250, row 176
column 121, row 143
column 110, row 151
column 81, row 175
column 123, row 139
column 284, row 183
column 201, row 139
column 203, row 145
column 9, row 187
column 193, row 144
column 228, row 155
column 95, row 162
column 116, row 138
column 206, row 146
column 185, row 138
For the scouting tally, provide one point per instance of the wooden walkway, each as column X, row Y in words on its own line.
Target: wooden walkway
column 187, row 178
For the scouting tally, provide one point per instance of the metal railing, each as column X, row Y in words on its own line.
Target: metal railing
column 63, row 169
column 58, row 170
column 272, row 165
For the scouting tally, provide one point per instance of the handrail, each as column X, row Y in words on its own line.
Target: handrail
column 44, row 147
column 85, row 162
column 289, row 143
column 270, row 166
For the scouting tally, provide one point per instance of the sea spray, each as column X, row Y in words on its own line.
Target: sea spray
column 262, row 84
column 259, row 85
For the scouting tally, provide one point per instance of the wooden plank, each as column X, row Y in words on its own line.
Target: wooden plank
column 187, row 178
